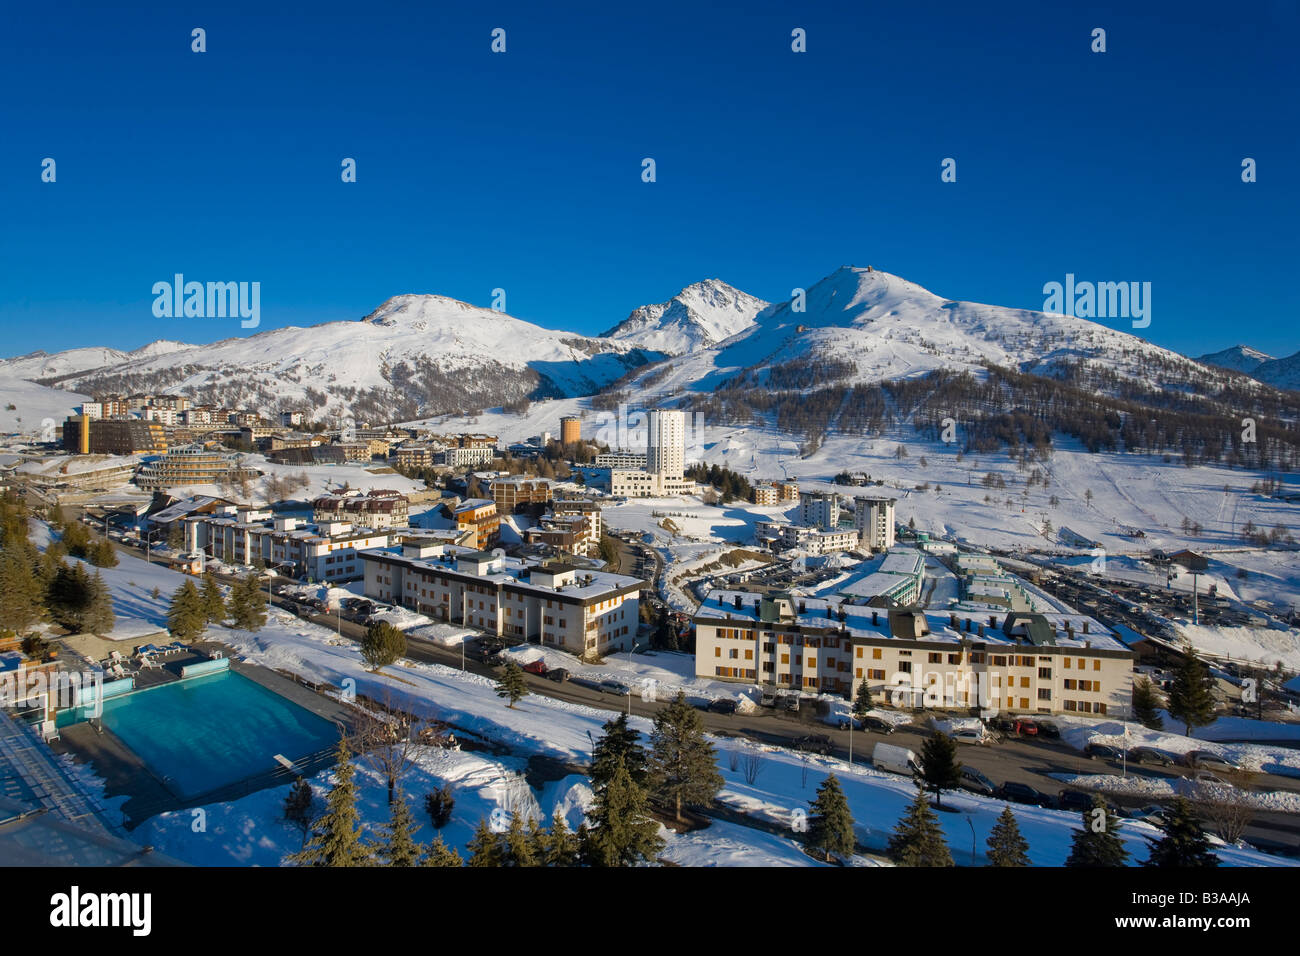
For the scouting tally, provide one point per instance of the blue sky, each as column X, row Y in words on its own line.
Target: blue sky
column 523, row 170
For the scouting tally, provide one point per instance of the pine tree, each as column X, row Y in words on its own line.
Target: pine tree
column 214, row 604
column 512, row 684
column 485, row 847
column 336, row 840
column 560, row 846
column 1184, row 843
column 22, row 592
column 939, row 767
column 298, row 808
column 441, row 855
column 831, row 825
column 1146, row 704
column 102, row 554
column 187, row 617
column 518, row 847
column 68, row 596
column 99, row 611
column 619, row 742
column 383, row 644
column 399, row 847
column 862, row 702
column 918, row 840
column 438, row 805
column 1190, row 699
column 683, row 765
column 1007, row 847
column 622, row 833
column 247, row 605
column 1097, row 843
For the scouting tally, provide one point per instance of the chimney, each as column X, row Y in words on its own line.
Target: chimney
column 952, row 621
column 875, row 618
column 737, row 602
column 968, row 625
column 1085, row 627
column 981, row 630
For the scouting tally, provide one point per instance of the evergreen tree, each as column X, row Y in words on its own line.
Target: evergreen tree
column 1184, row 843
column 99, row 612
column 214, row 604
column 485, row 847
column 383, row 644
column 187, row 617
column 298, row 808
column 622, row 834
column 68, row 597
column 1146, row 704
column 619, row 742
column 1097, row 844
column 22, row 592
column 336, row 840
column 512, row 685
column 175, row 536
column 399, row 847
column 76, row 539
column 939, row 767
column 102, row 554
column 831, row 825
column 518, row 844
column 1007, row 847
column 918, row 840
column 1190, row 699
column 559, row 847
column 438, row 805
column 862, row 702
column 442, row 855
column 247, row 605
column 683, row 766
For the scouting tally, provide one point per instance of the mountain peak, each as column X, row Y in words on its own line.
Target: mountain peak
column 699, row 316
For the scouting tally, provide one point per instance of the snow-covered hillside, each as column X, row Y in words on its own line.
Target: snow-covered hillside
column 699, row 316
column 1239, row 358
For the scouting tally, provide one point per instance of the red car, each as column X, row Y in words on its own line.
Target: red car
column 537, row 667
column 1027, row 727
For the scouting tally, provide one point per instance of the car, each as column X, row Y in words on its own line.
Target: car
column 1023, row 793
column 559, row 674
column 789, row 703
column 1150, row 755
column 1209, row 779
column 815, row 743
column 615, row 687
column 1208, row 760
column 723, row 705
column 1153, row 814
column 1048, row 729
column 537, row 667
column 495, row 659
column 970, row 735
column 1096, row 751
column 975, row 782
column 1027, row 727
column 1074, row 800
column 1004, row 725
column 877, row 725
column 699, row 703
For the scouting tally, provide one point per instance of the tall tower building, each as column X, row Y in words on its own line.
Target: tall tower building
column 665, row 452
column 875, row 522
column 570, row 429
column 819, row 509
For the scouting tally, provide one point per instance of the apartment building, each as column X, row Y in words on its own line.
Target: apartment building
column 874, row 519
column 782, row 536
column 1022, row 663
column 819, row 509
column 766, row 495
column 414, row 456
column 787, row 490
column 326, row 551
column 380, row 509
column 511, row 491
column 480, row 516
column 113, row 436
column 195, row 464
column 573, row 526
column 467, row 456
column 620, row 460
column 587, row 613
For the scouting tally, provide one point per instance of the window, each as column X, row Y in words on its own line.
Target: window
column 1024, row 703
column 875, row 653
column 1044, row 694
column 999, row 660
column 733, row 654
column 1096, row 665
column 977, row 657
column 954, row 658
column 1069, row 683
column 936, row 658
column 785, row 658
column 717, row 652
column 876, row 674
column 857, row 672
column 1081, row 663
column 1067, row 663
column 905, row 667
column 1045, row 673
column 749, row 654
column 1071, row 705
column 1101, row 708
column 1024, row 682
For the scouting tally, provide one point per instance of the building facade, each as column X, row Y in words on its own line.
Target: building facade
column 379, row 509
column 874, row 519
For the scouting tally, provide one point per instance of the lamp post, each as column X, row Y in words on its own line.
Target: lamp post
column 972, row 840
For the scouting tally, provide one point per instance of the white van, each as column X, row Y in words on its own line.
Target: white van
column 895, row 759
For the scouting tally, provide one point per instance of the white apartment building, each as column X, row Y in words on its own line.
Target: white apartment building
column 780, row 536
column 322, row 552
column 665, row 452
column 874, row 519
column 378, row 509
column 1021, row 663
column 587, row 613
column 621, row 460
column 819, row 509
column 459, row 457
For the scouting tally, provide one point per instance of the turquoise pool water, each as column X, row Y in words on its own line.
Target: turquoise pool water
column 206, row 732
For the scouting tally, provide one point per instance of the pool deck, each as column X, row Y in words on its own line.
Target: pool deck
column 125, row 774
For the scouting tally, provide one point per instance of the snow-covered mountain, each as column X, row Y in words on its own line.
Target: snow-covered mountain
column 862, row 325
column 699, row 316
column 1239, row 358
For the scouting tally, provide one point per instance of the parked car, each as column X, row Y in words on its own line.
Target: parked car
column 975, row 782
column 1023, row 793
column 560, row 674
column 537, row 667
column 723, row 705
column 1074, row 800
column 767, row 698
column 970, row 735
column 1096, row 751
column 815, row 743
column 1048, row 729
column 1005, row 725
column 615, row 687
column 1149, row 755
column 1027, row 728
column 1153, row 814
column 789, row 703
column 895, row 759
column 1213, row 780
column 876, row 725
column 1208, row 760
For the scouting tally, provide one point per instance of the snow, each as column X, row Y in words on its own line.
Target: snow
column 699, row 316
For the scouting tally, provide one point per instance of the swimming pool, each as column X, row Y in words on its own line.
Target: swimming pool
column 202, row 733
